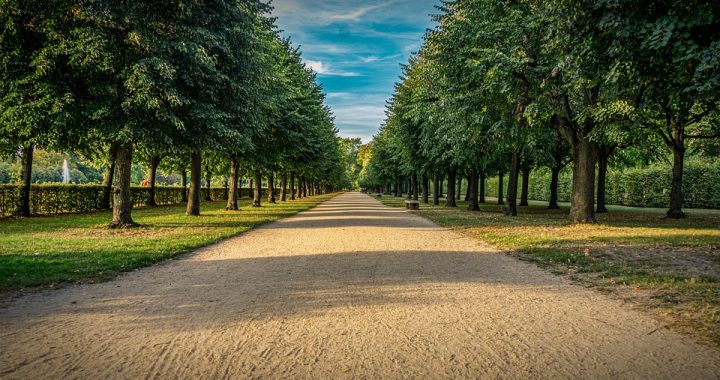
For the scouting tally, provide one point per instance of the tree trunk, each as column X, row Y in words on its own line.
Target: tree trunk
column 555, row 176
column 425, row 189
column 271, row 187
column 106, row 202
column 442, row 186
column 397, row 189
column 183, row 183
column 582, row 209
column 525, row 186
column 481, row 190
column 500, row 189
column 676, row 191
column 292, row 187
column 208, row 178
column 122, row 197
column 193, row 205
column 26, row 179
column 153, row 164
column 473, row 191
column 450, row 200
column 414, row 186
column 232, row 201
column 458, row 189
column 603, row 156
column 257, row 193
column 283, row 187
column 511, row 199
column 436, row 189
column 467, row 191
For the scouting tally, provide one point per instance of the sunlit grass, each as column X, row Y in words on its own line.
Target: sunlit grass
column 45, row 251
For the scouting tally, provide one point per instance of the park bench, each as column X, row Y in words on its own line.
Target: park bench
column 412, row 204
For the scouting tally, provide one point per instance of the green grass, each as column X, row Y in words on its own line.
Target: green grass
column 46, row 251
column 670, row 266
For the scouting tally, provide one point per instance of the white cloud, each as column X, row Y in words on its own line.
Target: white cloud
column 323, row 69
column 370, row 59
column 356, row 14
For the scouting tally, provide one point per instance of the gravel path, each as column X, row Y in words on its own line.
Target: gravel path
column 350, row 289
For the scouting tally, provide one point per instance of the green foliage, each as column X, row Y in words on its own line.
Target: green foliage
column 544, row 80
column 47, row 199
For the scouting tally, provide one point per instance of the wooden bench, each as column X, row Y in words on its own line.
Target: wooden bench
column 412, row 204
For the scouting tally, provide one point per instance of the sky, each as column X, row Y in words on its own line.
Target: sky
column 356, row 48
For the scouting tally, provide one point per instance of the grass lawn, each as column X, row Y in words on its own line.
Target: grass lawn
column 46, row 251
column 671, row 267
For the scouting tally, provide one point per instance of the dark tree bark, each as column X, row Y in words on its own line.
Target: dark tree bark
column 208, row 184
column 481, row 190
column 257, row 193
column 183, row 183
column 511, row 199
column 458, row 189
column 583, row 199
column 555, row 176
column 500, row 189
column 584, row 155
column 232, row 201
column 283, row 187
column 604, row 153
column 441, row 188
column 436, row 189
column 414, row 186
column 26, row 179
column 106, row 202
column 425, row 189
column 450, row 200
column 676, row 190
column 153, row 164
column 193, row 205
column 292, row 187
column 397, row 189
column 467, row 191
column 525, row 185
column 473, row 191
column 122, row 198
column 271, row 187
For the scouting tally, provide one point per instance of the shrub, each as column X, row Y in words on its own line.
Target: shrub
column 47, row 199
column 637, row 187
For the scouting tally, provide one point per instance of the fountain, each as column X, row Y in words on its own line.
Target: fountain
column 65, row 172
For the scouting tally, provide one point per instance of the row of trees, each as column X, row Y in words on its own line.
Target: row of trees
column 195, row 86
column 506, row 86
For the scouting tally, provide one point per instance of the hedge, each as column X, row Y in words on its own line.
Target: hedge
column 47, row 199
column 635, row 187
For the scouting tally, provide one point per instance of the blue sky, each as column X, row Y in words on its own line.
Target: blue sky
column 356, row 48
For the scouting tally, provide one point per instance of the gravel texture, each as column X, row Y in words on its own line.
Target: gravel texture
column 350, row 289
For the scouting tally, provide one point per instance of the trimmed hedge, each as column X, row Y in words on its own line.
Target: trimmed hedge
column 635, row 187
column 47, row 199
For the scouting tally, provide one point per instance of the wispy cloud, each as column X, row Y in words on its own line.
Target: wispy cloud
column 355, row 14
column 323, row 69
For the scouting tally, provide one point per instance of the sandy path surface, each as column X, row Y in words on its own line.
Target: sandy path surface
column 350, row 289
